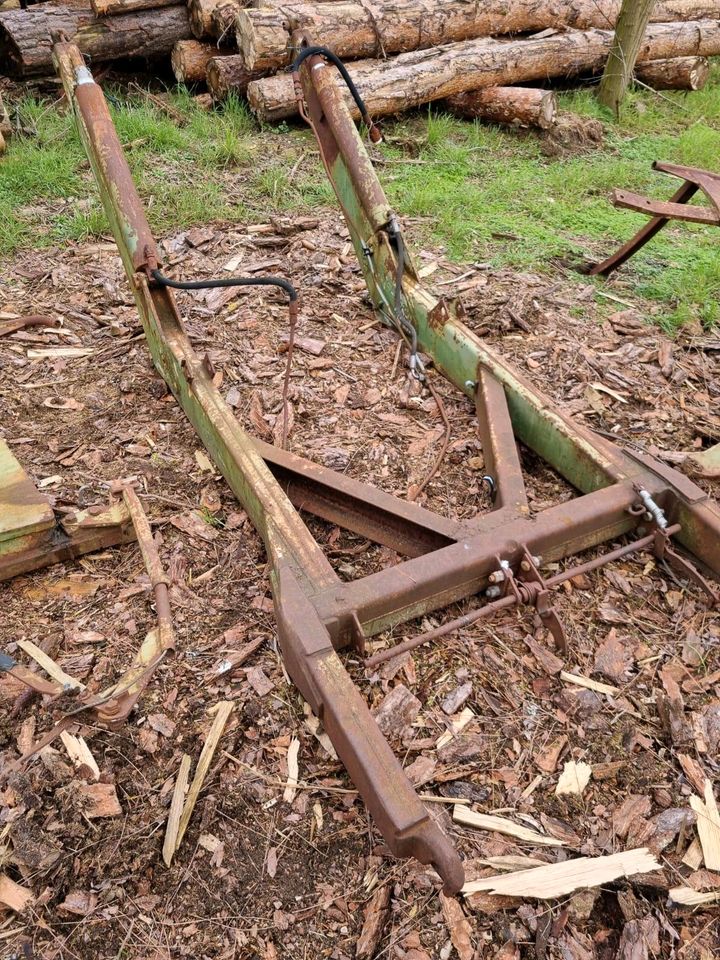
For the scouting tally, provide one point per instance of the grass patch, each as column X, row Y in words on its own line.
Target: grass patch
column 482, row 192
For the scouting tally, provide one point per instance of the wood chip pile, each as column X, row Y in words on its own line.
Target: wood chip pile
column 471, row 56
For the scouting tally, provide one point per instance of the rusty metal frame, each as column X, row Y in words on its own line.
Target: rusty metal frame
column 663, row 212
column 448, row 560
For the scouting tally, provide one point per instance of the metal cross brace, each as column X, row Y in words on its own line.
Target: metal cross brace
column 448, row 560
column 677, row 208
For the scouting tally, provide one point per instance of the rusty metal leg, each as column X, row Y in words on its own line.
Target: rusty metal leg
column 502, row 461
column 375, row 770
column 654, row 226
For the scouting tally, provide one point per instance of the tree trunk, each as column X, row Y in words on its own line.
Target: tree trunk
column 520, row 106
column 5, row 123
column 632, row 22
column 679, row 73
column 26, row 43
column 361, row 29
column 112, row 8
column 226, row 75
column 411, row 79
column 190, row 60
column 213, row 18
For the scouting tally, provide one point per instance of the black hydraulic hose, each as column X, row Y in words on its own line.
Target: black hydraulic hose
column 285, row 285
column 306, row 52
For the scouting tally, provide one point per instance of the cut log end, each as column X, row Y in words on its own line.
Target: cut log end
column 212, row 19
column 190, row 59
column 226, row 75
column 519, row 106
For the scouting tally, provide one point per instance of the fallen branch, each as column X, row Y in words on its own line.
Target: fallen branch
column 34, row 320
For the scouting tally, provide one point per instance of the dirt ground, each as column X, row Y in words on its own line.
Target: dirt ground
column 257, row 876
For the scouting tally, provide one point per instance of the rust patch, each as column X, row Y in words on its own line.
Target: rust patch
column 439, row 315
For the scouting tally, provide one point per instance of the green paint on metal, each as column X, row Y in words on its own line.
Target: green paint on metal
column 457, row 352
column 23, row 509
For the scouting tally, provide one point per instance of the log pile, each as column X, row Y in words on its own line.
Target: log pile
column 479, row 60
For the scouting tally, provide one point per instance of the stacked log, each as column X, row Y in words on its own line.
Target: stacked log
column 518, row 106
column 26, row 35
column 402, row 53
column 190, row 60
column 678, row 73
column 211, row 19
column 112, row 8
column 422, row 76
column 357, row 29
column 226, row 75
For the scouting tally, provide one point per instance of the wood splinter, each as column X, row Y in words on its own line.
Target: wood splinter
column 224, row 709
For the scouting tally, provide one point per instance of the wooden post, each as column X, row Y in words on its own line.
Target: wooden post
column 629, row 32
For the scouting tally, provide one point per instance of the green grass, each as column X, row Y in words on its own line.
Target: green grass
column 482, row 192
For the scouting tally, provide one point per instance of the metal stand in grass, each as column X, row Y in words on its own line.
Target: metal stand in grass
column 496, row 554
column 662, row 212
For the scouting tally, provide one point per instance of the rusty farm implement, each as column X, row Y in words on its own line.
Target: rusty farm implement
column 624, row 498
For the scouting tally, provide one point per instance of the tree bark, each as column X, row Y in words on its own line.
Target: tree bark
column 411, row 79
column 190, row 59
column 213, row 18
column 112, row 8
column 361, row 29
column 632, row 22
column 227, row 75
column 520, row 106
column 678, row 73
column 26, row 43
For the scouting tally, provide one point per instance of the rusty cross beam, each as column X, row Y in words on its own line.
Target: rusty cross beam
column 496, row 552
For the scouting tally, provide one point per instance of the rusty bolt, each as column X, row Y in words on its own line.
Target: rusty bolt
column 525, row 566
column 492, row 592
column 497, row 576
